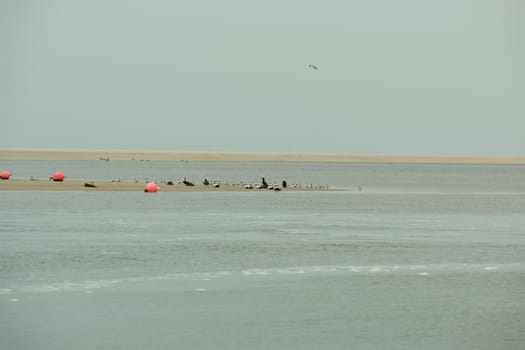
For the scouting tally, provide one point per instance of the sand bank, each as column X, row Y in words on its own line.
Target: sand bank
column 45, row 185
column 131, row 155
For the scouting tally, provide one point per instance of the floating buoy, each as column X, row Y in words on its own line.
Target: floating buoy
column 5, row 175
column 58, row 176
column 151, row 187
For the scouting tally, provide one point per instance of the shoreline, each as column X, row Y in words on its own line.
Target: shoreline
column 107, row 186
column 13, row 154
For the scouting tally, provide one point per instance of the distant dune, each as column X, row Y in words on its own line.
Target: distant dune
column 136, row 155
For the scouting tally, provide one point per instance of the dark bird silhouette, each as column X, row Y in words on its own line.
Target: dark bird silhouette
column 313, row 66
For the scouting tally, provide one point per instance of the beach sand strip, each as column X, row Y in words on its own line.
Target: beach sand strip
column 44, row 185
column 131, row 155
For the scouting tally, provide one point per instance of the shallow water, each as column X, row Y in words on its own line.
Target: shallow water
column 398, row 265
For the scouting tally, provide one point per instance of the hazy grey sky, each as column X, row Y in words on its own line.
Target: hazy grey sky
column 404, row 76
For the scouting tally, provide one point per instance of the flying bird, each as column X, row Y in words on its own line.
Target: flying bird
column 313, row 67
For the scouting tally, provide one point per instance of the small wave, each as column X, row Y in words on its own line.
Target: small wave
column 421, row 270
column 68, row 286
column 209, row 277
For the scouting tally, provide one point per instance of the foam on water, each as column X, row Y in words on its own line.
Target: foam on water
column 89, row 286
column 68, row 286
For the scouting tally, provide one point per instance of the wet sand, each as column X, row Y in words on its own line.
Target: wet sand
column 132, row 155
column 45, row 185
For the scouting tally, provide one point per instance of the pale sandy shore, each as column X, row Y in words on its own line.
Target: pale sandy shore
column 133, row 155
column 45, row 185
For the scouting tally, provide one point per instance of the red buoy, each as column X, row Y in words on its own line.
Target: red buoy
column 5, row 175
column 151, row 187
column 58, row 176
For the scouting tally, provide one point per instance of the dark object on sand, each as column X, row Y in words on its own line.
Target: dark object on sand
column 87, row 184
column 187, row 183
column 206, row 182
column 284, row 184
column 169, row 183
column 264, row 183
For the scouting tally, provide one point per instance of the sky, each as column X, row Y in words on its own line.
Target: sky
column 394, row 77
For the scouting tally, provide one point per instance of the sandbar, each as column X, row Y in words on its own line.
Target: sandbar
column 211, row 156
column 45, row 185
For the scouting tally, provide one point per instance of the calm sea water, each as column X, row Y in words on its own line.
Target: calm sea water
column 422, row 257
